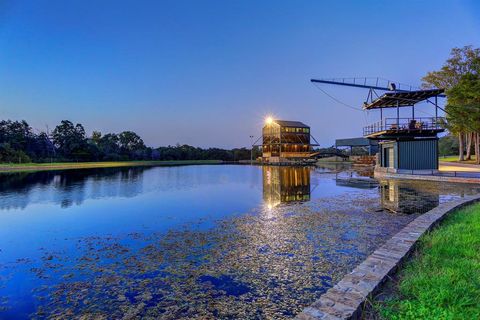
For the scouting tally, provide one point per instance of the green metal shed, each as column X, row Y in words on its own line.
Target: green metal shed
column 417, row 154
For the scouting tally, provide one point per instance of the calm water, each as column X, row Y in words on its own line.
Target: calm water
column 220, row 241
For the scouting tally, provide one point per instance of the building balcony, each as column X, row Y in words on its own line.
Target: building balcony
column 295, row 154
column 395, row 127
column 288, row 155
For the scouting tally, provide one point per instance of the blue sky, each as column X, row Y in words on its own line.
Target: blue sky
column 206, row 73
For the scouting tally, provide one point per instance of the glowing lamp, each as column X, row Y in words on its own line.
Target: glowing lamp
column 269, row 120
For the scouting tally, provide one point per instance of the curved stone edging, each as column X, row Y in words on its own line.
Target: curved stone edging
column 345, row 300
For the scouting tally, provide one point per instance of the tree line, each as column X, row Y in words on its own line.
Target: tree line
column 460, row 77
column 19, row 143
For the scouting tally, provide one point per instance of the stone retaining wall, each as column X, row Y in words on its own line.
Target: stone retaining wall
column 345, row 300
column 384, row 175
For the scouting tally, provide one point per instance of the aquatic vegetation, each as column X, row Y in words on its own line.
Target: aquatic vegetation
column 268, row 263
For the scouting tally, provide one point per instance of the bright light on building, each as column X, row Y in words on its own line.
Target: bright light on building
column 269, row 120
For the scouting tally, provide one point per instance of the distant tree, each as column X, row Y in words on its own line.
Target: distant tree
column 42, row 148
column 18, row 140
column 18, row 134
column 448, row 145
column 155, row 154
column 10, row 155
column 70, row 140
column 109, row 145
column 241, row 154
column 96, row 136
column 19, row 144
column 131, row 144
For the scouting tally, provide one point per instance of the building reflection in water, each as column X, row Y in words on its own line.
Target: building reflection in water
column 285, row 184
column 402, row 197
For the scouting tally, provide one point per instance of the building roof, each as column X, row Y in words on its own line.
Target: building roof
column 355, row 142
column 285, row 123
column 402, row 98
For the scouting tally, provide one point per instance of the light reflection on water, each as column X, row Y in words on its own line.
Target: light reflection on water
column 204, row 241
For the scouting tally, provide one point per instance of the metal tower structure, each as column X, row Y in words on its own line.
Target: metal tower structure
column 372, row 84
column 405, row 143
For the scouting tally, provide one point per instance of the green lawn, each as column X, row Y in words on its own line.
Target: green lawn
column 455, row 159
column 442, row 281
column 11, row 167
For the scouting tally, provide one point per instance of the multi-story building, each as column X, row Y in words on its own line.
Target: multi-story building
column 284, row 141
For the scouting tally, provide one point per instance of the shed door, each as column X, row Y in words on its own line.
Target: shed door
column 390, row 158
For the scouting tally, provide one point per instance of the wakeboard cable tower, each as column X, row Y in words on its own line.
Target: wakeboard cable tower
column 407, row 144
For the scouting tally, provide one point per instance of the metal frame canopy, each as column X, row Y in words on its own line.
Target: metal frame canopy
column 397, row 99
column 397, row 95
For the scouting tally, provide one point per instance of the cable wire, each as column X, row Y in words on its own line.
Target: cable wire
column 343, row 103
column 337, row 100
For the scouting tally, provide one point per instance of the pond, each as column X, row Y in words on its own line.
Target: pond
column 211, row 241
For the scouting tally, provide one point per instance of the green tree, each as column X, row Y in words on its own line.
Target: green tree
column 465, row 100
column 131, row 144
column 96, row 136
column 18, row 134
column 447, row 145
column 70, row 140
column 109, row 146
column 10, row 155
column 462, row 62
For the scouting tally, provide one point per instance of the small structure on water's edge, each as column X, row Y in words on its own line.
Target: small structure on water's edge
column 285, row 141
column 405, row 143
column 371, row 145
column 408, row 146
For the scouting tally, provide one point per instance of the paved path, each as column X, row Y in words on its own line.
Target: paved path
column 463, row 167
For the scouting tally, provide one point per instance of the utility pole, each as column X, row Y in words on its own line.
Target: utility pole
column 49, row 142
column 251, row 149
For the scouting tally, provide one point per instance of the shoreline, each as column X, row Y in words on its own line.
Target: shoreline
column 347, row 298
column 446, row 255
column 32, row 167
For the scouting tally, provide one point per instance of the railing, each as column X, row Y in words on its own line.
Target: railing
column 295, row 154
column 402, row 125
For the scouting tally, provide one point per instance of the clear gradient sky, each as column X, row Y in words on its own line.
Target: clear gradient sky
column 205, row 72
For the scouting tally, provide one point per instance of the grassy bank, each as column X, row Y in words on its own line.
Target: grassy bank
column 455, row 159
column 8, row 167
column 442, row 280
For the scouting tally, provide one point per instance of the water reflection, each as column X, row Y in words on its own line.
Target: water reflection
column 405, row 196
column 342, row 168
column 193, row 242
column 66, row 188
column 246, row 267
column 357, row 183
column 398, row 196
column 73, row 187
column 285, row 184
